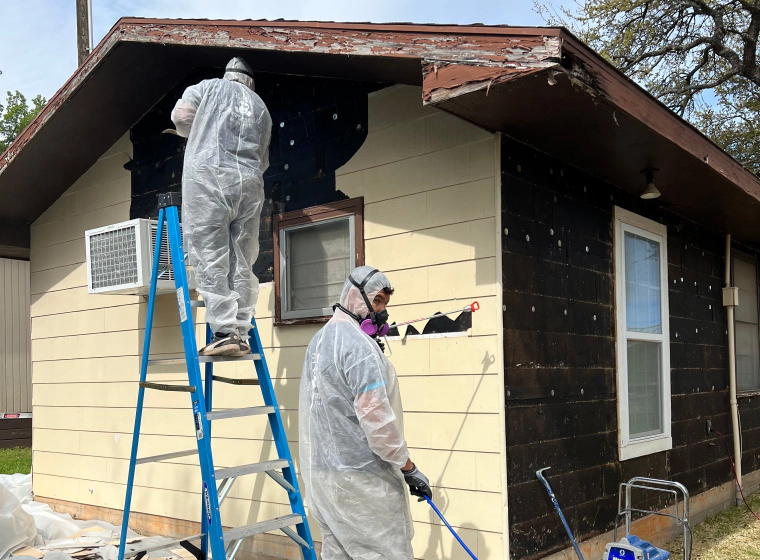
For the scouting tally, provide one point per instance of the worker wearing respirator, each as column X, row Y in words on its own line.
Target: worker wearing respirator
column 228, row 129
column 354, row 458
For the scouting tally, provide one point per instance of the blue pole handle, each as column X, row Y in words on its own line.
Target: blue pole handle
column 432, row 505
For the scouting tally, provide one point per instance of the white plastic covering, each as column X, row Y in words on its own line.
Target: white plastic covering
column 24, row 522
column 228, row 128
column 16, row 526
column 351, row 436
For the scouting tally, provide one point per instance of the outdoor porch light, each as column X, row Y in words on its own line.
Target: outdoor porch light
column 650, row 191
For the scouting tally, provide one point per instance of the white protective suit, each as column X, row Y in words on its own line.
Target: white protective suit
column 228, row 129
column 351, row 436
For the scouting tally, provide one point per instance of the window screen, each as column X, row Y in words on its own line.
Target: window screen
column 747, row 341
column 643, row 315
column 318, row 261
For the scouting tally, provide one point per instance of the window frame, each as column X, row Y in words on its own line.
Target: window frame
column 628, row 448
column 735, row 254
column 353, row 207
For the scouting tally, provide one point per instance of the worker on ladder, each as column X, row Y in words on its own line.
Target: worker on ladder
column 228, row 129
column 354, row 458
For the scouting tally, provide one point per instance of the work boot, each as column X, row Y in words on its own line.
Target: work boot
column 225, row 344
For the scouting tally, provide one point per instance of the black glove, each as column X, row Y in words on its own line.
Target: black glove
column 418, row 483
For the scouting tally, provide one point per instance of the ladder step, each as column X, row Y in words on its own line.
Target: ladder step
column 252, row 468
column 137, row 548
column 262, row 527
column 197, row 303
column 232, row 381
column 165, row 456
column 238, row 412
column 204, row 359
column 165, row 387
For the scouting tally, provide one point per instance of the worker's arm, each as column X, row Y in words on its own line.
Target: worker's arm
column 375, row 414
column 184, row 111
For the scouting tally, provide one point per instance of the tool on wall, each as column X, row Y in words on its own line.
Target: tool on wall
column 222, row 545
column 473, row 307
column 540, row 475
column 435, row 509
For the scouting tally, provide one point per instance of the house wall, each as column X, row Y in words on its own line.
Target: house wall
column 15, row 342
column 430, row 188
column 560, row 353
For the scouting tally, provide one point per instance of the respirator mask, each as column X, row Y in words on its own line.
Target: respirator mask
column 377, row 323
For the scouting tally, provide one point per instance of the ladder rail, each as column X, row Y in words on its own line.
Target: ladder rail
column 209, row 495
column 143, row 374
column 281, row 441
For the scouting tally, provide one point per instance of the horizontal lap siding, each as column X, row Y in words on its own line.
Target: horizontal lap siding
column 428, row 185
column 427, row 179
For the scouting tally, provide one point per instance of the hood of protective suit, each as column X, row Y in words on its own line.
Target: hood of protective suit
column 351, row 298
column 238, row 70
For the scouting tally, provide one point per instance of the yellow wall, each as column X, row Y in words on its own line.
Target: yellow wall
column 430, row 188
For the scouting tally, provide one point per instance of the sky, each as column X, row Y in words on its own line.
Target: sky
column 38, row 37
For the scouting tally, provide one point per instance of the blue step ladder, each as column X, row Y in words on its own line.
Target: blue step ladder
column 215, row 542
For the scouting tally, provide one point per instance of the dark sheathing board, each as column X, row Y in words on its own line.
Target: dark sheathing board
column 318, row 124
column 559, row 345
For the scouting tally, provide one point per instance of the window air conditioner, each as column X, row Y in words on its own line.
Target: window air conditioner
column 120, row 257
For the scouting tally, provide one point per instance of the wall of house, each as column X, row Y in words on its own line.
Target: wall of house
column 15, row 343
column 560, row 353
column 430, row 187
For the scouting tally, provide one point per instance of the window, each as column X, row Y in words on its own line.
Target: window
column 643, row 351
column 315, row 251
column 746, row 324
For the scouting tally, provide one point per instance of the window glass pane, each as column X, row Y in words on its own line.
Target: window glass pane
column 644, row 388
column 319, row 260
column 747, row 351
column 642, row 284
column 745, row 278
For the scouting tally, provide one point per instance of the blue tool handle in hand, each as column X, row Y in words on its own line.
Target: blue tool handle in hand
column 432, row 505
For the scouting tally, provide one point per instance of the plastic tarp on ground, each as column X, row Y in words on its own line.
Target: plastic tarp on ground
column 32, row 530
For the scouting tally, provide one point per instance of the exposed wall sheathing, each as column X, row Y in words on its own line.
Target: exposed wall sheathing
column 429, row 188
column 560, row 352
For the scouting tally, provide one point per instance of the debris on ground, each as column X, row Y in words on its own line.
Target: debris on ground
column 32, row 530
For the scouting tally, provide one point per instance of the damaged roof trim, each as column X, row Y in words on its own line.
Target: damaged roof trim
column 607, row 83
column 509, row 48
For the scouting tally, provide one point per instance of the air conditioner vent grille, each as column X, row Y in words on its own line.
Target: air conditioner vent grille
column 113, row 257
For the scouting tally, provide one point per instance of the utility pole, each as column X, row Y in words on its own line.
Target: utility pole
column 84, row 29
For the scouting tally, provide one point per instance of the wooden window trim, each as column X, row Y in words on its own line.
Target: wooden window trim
column 736, row 254
column 351, row 207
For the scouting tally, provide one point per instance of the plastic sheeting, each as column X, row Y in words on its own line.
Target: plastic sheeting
column 24, row 522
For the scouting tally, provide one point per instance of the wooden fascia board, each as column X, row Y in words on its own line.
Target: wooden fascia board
column 613, row 87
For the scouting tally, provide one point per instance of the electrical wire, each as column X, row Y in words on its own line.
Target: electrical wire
column 736, row 476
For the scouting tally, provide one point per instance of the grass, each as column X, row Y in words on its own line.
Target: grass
column 16, row 460
column 731, row 535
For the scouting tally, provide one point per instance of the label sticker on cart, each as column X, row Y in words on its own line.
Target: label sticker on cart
column 198, row 423
column 181, row 304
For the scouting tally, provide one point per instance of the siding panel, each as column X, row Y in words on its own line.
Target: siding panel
column 15, row 339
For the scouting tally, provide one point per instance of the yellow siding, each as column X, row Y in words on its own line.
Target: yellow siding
column 429, row 185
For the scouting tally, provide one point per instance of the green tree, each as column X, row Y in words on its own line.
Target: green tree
column 15, row 115
column 699, row 57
